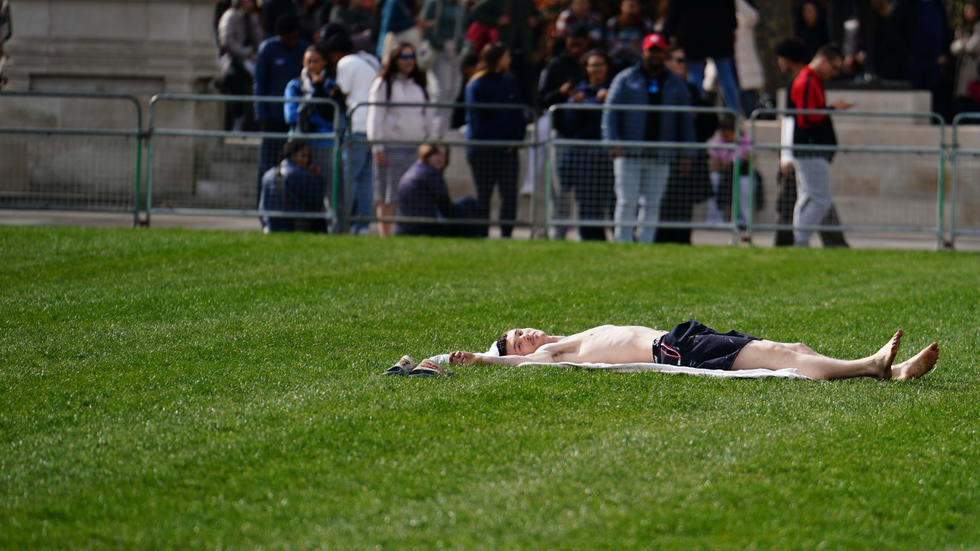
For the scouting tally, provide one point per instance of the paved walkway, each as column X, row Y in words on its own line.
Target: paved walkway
column 909, row 241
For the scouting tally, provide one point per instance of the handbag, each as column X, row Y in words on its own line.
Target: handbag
column 427, row 51
column 479, row 35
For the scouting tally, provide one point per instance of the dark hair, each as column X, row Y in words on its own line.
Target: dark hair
column 293, row 147
column 427, row 150
column 726, row 122
column 390, row 70
column 965, row 25
column 502, row 344
column 339, row 43
column 314, row 48
column 489, row 59
column 287, row 23
column 331, row 30
column 577, row 30
column 831, row 51
column 597, row 53
column 793, row 49
column 471, row 60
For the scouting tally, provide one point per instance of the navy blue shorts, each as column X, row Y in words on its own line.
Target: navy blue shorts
column 691, row 344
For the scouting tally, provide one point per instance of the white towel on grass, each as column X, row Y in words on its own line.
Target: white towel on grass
column 662, row 368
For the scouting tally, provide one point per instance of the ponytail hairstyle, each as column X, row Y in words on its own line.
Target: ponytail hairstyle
column 489, row 60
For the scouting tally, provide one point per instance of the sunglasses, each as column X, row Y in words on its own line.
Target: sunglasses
column 680, row 60
column 407, row 56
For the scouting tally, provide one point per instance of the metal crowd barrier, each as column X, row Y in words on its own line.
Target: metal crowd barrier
column 218, row 173
column 875, row 188
column 472, row 165
column 657, row 190
column 964, row 194
column 55, row 155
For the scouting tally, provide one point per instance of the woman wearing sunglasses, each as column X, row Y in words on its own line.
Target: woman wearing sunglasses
column 399, row 82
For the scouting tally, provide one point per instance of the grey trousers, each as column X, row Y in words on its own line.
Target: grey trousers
column 813, row 196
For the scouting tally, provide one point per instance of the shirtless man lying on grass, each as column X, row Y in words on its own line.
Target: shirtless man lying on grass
column 691, row 344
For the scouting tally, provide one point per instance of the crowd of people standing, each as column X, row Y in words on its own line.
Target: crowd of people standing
column 401, row 56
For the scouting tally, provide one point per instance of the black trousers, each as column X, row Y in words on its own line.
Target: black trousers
column 494, row 166
column 589, row 171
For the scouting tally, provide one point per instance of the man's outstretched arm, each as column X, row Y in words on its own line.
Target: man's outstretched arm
column 469, row 358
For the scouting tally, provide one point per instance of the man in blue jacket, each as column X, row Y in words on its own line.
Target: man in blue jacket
column 641, row 173
column 280, row 59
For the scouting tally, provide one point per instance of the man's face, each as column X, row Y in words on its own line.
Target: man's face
column 827, row 68
column 653, row 60
column 785, row 65
column 289, row 40
column 314, row 63
column 630, row 7
column 678, row 63
column 576, row 46
column 580, row 7
column 521, row 342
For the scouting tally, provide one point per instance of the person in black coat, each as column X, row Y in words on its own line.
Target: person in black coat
column 706, row 28
column 917, row 40
column 565, row 71
column 685, row 191
column 588, row 170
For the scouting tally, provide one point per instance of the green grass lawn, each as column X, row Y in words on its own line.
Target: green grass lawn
column 176, row 389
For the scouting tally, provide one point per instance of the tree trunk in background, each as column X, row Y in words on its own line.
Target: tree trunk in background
column 775, row 24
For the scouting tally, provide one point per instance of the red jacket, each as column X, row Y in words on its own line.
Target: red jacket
column 807, row 93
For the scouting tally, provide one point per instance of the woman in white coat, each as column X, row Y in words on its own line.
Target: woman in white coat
column 750, row 76
column 400, row 81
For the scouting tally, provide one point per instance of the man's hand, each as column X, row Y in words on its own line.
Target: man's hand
column 842, row 105
column 601, row 96
column 566, row 89
column 786, row 168
column 314, row 169
column 424, row 23
column 578, row 97
column 319, row 77
column 462, row 358
column 615, row 152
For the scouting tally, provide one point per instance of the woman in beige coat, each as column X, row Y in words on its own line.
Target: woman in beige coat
column 966, row 48
column 747, row 64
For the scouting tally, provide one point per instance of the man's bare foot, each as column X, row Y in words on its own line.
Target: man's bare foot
column 882, row 361
column 918, row 365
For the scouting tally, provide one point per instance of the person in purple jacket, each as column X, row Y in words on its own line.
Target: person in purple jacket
column 422, row 193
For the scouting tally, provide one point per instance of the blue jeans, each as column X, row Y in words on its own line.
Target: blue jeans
column 727, row 81
column 358, row 166
column 640, row 183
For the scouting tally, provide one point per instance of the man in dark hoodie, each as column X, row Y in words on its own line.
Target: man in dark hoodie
column 564, row 71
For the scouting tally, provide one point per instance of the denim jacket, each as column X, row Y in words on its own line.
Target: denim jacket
column 630, row 88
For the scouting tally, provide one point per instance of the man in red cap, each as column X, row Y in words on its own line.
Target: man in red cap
column 641, row 172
